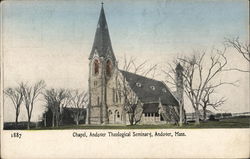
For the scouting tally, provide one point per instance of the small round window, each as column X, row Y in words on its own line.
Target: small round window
column 152, row 87
column 138, row 84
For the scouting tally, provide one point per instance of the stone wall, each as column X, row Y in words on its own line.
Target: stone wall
column 96, row 93
column 151, row 119
column 115, row 99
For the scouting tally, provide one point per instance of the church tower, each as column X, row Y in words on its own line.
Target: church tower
column 101, row 64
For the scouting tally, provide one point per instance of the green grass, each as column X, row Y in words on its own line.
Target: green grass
column 224, row 123
column 237, row 122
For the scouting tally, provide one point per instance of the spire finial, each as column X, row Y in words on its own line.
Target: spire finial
column 102, row 4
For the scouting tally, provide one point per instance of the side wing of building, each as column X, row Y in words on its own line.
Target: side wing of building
column 159, row 103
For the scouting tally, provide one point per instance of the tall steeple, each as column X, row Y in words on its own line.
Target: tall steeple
column 102, row 44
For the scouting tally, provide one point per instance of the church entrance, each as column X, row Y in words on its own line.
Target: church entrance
column 117, row 117
column 114, row 117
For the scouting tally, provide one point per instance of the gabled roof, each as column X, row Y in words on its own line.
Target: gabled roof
column 102, row 43
column 149, row 90
column 150, row 108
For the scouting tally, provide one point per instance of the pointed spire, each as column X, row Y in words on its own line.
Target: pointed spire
column 102, row 19
column 102, row 43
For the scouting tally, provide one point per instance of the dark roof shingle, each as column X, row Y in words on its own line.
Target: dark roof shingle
column 150, row 108
column 102, row 42
column 149, row 90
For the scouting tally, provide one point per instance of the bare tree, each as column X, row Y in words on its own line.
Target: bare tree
column 16, row 96
column 30, row 94
column 206, row 101
column 143, row 68
column 79, row 101
column 63, row 104
column 54, row 99
column 134, row 108
column 242, row 49
column 199, row 74
column 50, row 99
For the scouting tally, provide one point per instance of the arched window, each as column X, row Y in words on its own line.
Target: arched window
column 110, row 112
column 96, row 67
column 116, row 97
column 120, row 96
column 117, row 114
column 113, row 94
column 108, row 67
column 98, row 101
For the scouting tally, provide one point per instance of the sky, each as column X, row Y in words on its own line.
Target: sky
column 51, row 40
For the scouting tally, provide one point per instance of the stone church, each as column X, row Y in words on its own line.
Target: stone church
column 120, row 97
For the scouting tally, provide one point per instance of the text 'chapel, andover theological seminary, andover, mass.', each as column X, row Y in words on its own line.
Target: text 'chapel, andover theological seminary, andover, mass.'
column 116, row 96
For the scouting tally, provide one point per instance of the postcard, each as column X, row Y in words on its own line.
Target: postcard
column 125, row 79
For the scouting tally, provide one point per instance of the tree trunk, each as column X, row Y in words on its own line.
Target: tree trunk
column 53, row 120
column 45, row 120
column 16, row 120
column 28, row 124
column 204, row 113
column 56, row 116
column 131, row 119
column 61, row 120
column 181, row 114
column 197, row 117
column 57, row 119
column 185, row 117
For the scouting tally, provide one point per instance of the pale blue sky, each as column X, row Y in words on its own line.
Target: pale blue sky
column 155, row 23
column 51, row 40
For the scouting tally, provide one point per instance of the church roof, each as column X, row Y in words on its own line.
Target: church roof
column 149, row 90
column 150, row 108
column 102, row 43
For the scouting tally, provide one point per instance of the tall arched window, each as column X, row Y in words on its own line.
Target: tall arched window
column 110, row 112
column 108, row 67
column 96, row 67
column 98, row 101
column 113, row 95
column 118, row 115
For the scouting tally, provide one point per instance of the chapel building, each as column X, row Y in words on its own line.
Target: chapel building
column 115, row 95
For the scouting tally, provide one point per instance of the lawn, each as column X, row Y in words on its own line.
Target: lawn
column 236, row 122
